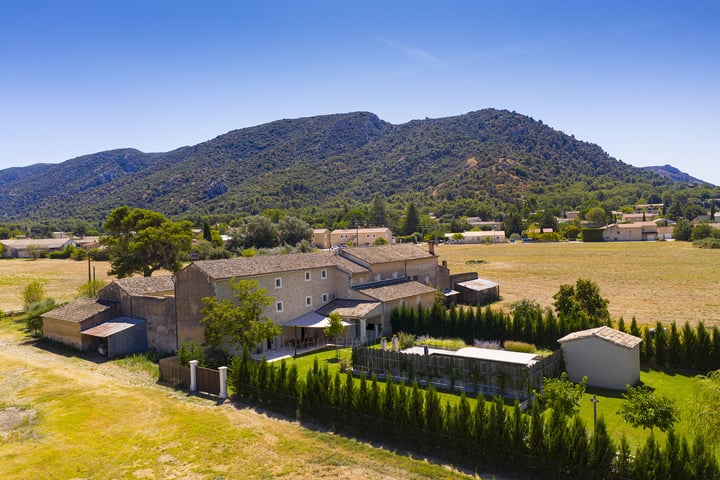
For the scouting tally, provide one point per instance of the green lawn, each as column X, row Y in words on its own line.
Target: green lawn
column 677, row 386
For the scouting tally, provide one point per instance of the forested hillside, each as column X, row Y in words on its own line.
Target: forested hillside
column 477, row 164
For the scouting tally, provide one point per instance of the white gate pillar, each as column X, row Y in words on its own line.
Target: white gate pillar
column 223, row 382
column 193, row 375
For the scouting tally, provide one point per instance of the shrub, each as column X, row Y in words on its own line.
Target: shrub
column 33, row 320
column 514, row 346
column 33, row 293
column 191, row 350
column 446, row 343
column 90, row 289
column 708, row 242
column 406, row 340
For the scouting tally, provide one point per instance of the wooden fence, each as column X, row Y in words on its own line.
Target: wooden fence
column 176, row 375
column 449, row 372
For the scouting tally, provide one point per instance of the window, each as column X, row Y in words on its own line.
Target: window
column 324, row 298
column 278, row 306
column 307, row 276
column 278, row 283
column 323, row 274
column 308, row 301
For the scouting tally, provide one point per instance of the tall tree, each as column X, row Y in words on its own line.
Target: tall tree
column 144, row 241
column 294, row 230
column 411, row 222
column 238, row 322
column 260, row 232
column 378, row 213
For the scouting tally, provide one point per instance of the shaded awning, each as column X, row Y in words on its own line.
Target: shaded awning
column 111, row 327
column 312, row 320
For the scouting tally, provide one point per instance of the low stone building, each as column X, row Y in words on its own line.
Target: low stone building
column 130, row 315
column 608, row 358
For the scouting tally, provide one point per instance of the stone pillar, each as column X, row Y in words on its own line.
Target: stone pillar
column 383, row 344
column 395, row 345
column 223, row 382
column 193, row 375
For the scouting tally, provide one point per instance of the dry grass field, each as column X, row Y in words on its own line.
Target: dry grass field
column 65, row 416
column 651, row 281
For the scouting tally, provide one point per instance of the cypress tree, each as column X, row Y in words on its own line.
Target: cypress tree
column 349, row 393
column 703, row 347
column 496, row 425
column 388, row 403
column 601, row 451
column 703, row 463
column 433, row 411
column 661, row 345
column 416, row 410
column 624, row 460
column 518, row 429
column 649, row 463
column 715, row 353
column 480, row 424
column 634, row 329
column 375, row 407
column 689, row 346
column 675, row 353
column 621, row 325
column 676, row 456
column 555, row 438
column 648, row 350
column 363, row 396
column 537, row 436
column 577, row 447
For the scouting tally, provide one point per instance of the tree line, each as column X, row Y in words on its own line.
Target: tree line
column 691, row 348
column 548, row 443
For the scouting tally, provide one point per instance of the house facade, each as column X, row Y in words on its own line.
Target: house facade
column 363, row 285
column 483, row 236
column 631, row 232
column 608, row 358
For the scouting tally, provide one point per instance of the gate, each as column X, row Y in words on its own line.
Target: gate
column 208, row 380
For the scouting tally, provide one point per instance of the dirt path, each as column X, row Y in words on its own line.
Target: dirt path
column 50, row 403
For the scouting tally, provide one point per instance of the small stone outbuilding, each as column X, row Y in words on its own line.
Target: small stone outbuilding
column 608, row 357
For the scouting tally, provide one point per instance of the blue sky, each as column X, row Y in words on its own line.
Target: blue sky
column 639, row 78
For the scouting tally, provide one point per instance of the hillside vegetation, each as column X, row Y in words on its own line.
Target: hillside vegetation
column 472, row 164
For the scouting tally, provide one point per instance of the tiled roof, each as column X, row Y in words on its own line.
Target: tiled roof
column 37, row 242
column 267, row 264
column 606, row 333
column 397, row 291
column 348, row 308
column 79, row 310
column 387, row 253
column 147, row 285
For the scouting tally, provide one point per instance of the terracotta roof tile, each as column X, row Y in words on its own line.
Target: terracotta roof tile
column 268, row 264
column 397, row 291
column 387, row 253
column 147, row 285
column 606, row 333
column 79, row 310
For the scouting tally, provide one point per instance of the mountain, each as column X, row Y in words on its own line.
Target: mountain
column 333, row 161
column 674, row 174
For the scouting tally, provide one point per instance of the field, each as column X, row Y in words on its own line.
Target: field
column 651, row 281
column 60, row 278
column 62, row 416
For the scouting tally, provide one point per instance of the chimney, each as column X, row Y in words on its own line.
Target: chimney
column 431, row 247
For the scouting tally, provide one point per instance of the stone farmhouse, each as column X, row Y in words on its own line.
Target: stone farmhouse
column 364, row 285
column 362, row 237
